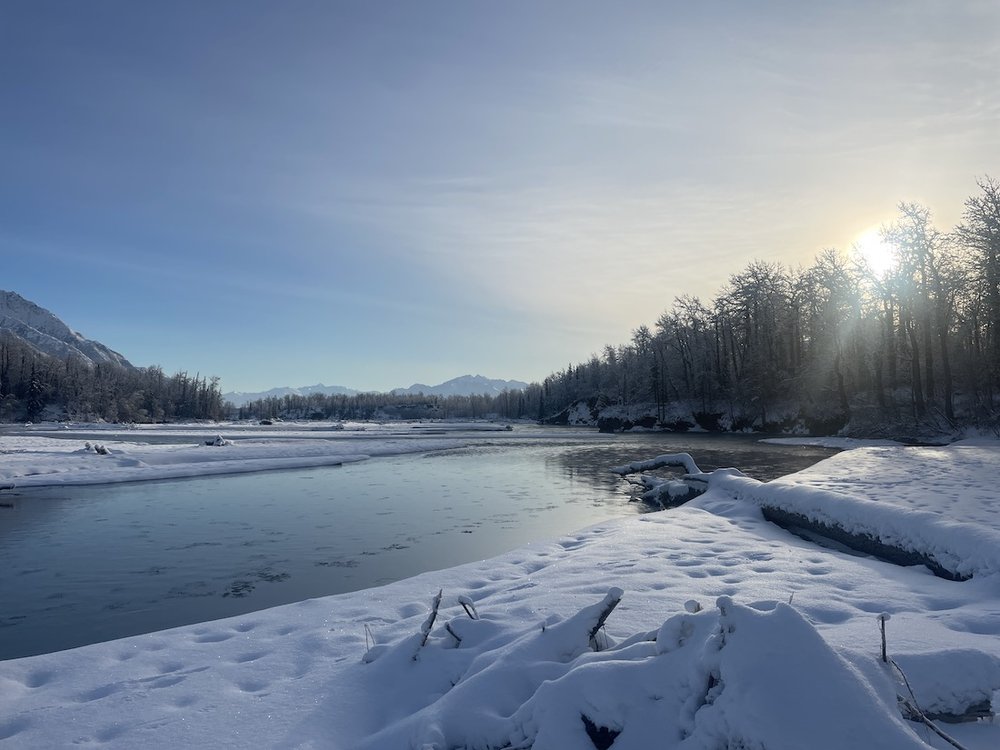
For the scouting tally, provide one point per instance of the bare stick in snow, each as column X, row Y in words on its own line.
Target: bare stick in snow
column 425, row 629
column 369, row 638
column 469, row 607
column 882, row 618
column 610, row 602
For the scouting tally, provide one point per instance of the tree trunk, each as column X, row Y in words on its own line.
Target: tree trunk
column 916, row 385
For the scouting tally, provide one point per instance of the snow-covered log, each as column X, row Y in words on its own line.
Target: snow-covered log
column 859, row 541
column 662, row 491
column 680, row 460
column 953, row 685
column 950, row 549
column 669, row 493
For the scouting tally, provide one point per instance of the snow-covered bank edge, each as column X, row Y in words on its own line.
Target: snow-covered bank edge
column 842, row 443
column 954, row 548
column 960, row 549
column 44, row 462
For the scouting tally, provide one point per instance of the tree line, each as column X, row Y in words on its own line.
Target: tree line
column 914, row 347
column 374, row 406
column 34, row 385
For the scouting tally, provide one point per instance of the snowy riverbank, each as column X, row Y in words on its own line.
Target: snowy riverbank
column 48, row 455
column 747, row 668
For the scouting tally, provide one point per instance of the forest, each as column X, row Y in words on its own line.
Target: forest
column 911, row 348
column 35, row 385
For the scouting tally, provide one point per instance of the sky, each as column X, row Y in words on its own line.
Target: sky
column 377, row 194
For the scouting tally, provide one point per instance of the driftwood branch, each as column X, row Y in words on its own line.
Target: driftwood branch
column 679, row 460
column 666, row 492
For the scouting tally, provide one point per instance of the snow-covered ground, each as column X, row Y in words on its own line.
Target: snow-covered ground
column 44, row 455
column 729, row 633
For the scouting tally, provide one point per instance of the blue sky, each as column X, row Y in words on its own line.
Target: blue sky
column 373, row 194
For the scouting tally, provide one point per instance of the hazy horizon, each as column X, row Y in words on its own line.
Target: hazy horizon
column 366, row 194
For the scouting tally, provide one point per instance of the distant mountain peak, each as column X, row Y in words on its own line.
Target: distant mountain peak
column 239, row 398
column 47, row 334
column 463, row 385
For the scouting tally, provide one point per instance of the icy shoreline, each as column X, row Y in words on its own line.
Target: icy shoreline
column 294, row 676
column 44, row 456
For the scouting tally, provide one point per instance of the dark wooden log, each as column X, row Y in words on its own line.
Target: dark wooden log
column 865, row 543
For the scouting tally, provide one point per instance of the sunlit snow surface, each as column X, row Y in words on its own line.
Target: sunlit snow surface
column 751, row 672
column 47, row 457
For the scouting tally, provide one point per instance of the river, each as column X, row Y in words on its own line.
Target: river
column 80, row 565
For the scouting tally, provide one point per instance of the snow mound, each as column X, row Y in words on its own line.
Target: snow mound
column 952, row 680
column 730, row 676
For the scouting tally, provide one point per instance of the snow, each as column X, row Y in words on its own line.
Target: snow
column 729, row 632
column 34, row 461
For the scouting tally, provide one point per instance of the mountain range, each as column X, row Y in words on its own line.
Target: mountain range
column 464, row 385
column 47, row 334
column 239, row 398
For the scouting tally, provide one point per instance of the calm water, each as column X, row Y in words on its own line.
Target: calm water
column 87, row 564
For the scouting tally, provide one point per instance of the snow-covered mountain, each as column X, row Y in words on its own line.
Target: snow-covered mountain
column 239, row 398
column 47, row 334
column 464, row 385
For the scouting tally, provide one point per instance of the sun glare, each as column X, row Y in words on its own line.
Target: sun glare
column 876, row 254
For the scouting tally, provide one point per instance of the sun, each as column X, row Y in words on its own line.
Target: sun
column 877, row 254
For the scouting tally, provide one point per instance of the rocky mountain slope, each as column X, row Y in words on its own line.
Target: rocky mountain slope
column 46, row 333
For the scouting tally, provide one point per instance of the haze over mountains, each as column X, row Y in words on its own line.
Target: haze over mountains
column 47, row 334
column 464, row 385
